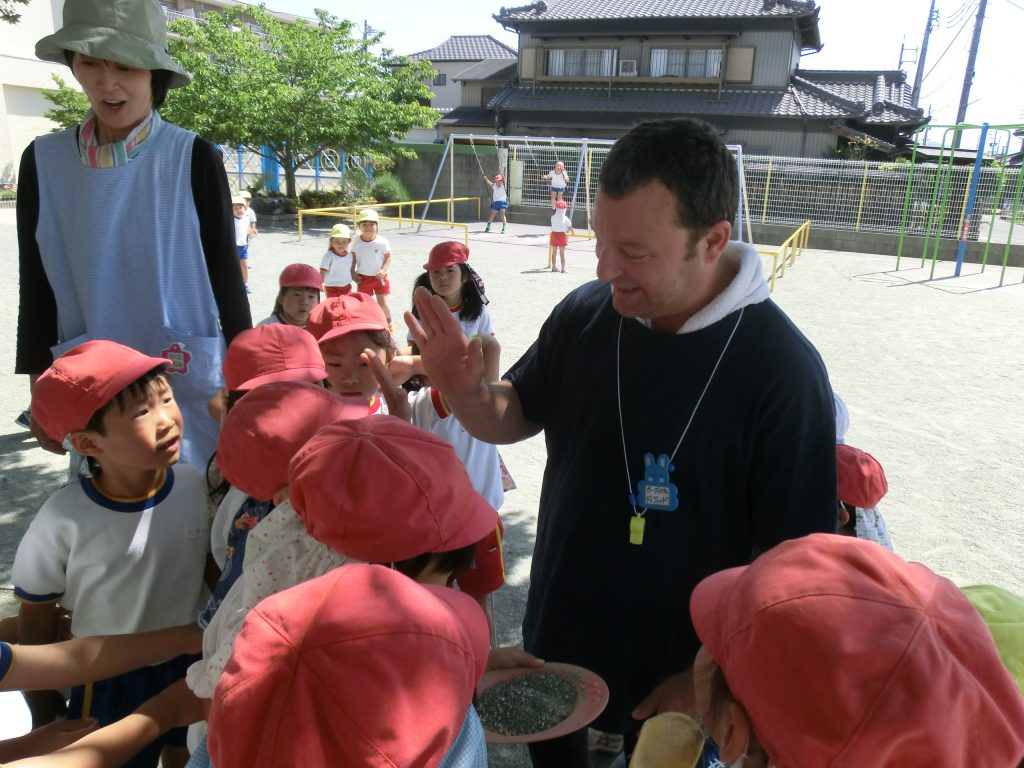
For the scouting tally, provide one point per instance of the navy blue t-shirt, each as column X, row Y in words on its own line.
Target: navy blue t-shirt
column 756, row 467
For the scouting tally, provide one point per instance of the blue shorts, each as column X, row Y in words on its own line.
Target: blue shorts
column 499, row 205
column 243, row 252
column 557, row 190
column 111, row 699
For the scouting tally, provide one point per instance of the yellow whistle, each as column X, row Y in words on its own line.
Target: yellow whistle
column 636, row 529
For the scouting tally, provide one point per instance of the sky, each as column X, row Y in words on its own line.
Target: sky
column 857, row 34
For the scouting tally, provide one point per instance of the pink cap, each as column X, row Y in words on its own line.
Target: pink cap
column 845, row 655
column 339, row 315
column 268, row 353
column 445, row 254
column 381, row 490
column 83, row 380
column 561, row 204
column 359, row 667
column 860, row 477
column 267, row 427
column 300, row 276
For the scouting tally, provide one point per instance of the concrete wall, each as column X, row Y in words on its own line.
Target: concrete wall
column 873, row 242
column 22, row 79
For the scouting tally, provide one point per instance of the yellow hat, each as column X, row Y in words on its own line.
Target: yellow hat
column 367, row 214
column 341, row 231
column 237, row 200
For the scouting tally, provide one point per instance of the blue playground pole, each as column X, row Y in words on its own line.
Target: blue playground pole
column 965, row 230
column 271, row 172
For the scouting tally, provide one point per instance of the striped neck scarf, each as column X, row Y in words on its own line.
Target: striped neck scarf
column 118, row 153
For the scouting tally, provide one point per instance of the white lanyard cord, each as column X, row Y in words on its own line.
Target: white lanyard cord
column 618, row 394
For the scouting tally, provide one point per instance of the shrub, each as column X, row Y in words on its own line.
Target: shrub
column 273, row 204
column 388, row 189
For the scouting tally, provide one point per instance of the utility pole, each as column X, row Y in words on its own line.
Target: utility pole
column 965, row 95
column 916, row 93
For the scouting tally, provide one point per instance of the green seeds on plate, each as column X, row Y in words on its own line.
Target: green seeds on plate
column 527, row 704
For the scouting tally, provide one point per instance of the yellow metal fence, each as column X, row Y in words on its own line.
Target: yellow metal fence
column 787, row 252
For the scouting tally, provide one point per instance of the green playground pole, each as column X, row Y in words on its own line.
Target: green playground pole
column 1000, row 181
column 945, row 196
column 1014, row 211
column 933, row 206
column 906, row 201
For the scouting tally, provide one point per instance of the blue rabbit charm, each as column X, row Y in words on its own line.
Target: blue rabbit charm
column 656, row 491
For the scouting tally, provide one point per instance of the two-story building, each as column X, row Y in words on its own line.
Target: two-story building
column 594, row 70
column 475, row 55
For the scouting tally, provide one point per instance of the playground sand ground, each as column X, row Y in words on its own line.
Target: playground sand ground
column 931, row 370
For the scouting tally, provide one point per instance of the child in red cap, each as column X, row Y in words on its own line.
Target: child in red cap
column 299, row 287
column 561, row 226
column 832, row 651
column 123, row 550
column 348, row 326
column 861, row 485
column 448, row 275
column 359, row 667
column 499, row 201
column 257, row 357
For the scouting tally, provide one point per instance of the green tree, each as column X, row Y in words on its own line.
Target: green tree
column 70, row 104
column 8, row 11
column 292, row 90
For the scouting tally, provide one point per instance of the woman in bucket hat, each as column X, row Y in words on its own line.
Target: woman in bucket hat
column 124, row 227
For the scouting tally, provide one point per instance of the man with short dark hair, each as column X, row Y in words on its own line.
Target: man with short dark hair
column 689, row 425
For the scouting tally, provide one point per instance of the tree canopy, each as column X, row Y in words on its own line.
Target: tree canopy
column 293, row 90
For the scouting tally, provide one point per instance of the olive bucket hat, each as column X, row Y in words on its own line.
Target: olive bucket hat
column 130, row 32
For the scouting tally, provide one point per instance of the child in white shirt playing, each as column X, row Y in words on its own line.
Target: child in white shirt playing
column 499, row 201
column 337, row 267
column 372, row 255
column 559, row 181
column 241, row 237
column 561, row 226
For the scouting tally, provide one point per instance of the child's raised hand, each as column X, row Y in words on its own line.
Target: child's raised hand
column 394, row 395
column 454, row 364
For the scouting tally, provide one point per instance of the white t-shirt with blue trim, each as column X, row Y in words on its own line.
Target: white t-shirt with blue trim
column 119, row 566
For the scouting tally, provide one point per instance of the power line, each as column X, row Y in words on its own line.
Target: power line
column 962, row 28
column 1018, row 7
column 958, row 15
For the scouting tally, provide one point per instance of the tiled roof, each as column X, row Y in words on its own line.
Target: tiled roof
column 802, row 98
column 464, row 115
column 467, row 48
column 578, row 10
column 886, row 95
column 489, row 69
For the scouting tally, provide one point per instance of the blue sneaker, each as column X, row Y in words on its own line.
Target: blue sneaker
column 24, row 420
column 248, row 289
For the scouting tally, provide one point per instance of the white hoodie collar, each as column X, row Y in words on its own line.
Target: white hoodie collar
column 747, row 287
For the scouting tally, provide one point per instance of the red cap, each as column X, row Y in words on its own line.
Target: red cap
column 860, row 477
column 359, row 667
column 561, row 204
column 300, row 276
column 268, row 353
column 844, row 655
column 445, row 254
column 339, row 315
column 381, row 490
column 83, row 380
column 267, row 427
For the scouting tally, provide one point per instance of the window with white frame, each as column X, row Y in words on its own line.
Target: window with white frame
column 695, row 63
column 581, row 62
